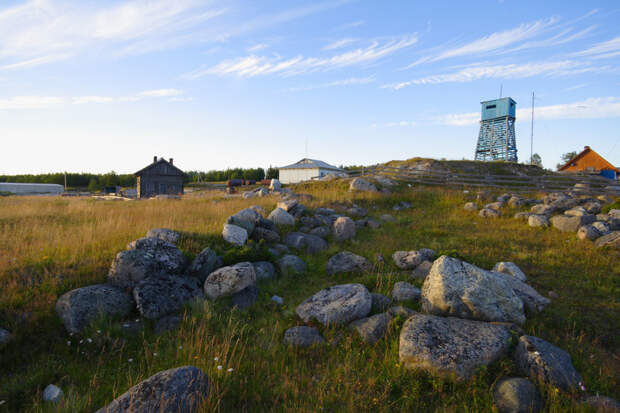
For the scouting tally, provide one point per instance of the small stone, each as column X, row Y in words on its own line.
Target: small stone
column 52, row 394
column 5, row 336
column 553, row 294
column 277, row 299
column 346, row 261
column 387, row 218
column 303, row 336
column 588, row 232
column 291, row 265
column 264, row 270
column 343, row 229
column 603, row 404
column 510, row 268
column 403, row 291
column 229, row 280
column 373, row 328
column 421, row 271
column 516, row 395
column 489, row 213
column 470, row 206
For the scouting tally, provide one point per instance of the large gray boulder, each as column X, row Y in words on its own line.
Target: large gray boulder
column 533, row 302
column 229, row 280
column 275, row 185
column 131, row 266
column 204, row 264
column 161, row 295
column 270, row 236
column 408, row 260
column 336, row 305
column 451, row 346
column 167, row 255
column 179, row 390
column 566, row 223
column 588, row 232
column 538, row 221
column 280, row 217
column 311, row 243
column 291, row 264
column 403, row 291
column 78, row 308
column 372, row 329
column 246, row 218
column 542, row 361
column 510, row 268
column 611, row 240
column 303, row 336
column 359, row 184
column 264, row 270
column 454, row 287
column 164, row 234
column 516, row 395
column 343, row 229
column 235, row 234
column 346, row 261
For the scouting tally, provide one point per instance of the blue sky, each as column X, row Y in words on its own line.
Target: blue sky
column 105, row 85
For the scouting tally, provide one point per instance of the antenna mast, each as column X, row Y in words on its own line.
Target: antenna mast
column 501, row 85
column 532, row 134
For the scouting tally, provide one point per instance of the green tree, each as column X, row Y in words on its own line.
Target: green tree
column 565, row 158
column 92, row 185
column 537, row 160
column 272, row 173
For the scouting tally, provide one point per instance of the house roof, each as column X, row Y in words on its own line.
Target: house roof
column 583, row 153
column 307, row 163
column 160, row 161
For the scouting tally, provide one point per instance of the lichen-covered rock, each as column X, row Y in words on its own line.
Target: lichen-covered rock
column 291, row 264
column 343, row 229
column 288, row 205
column 372, row 329
column 567, row 223
column 52, row 394
column 246, row 218
column 167, row 255
column 264, row 270
column 320, row 231
column 280, row 217
column 489, row 213
column 450, row 346
column 588, row 232
column 542, row 209
column 346, row 261
column 380, row 302
column 408, row 260
column 336, row 305
column 454, row 287
column 270, row 236
column 179, row 390
column 538, row 221
column 542, row 361
column 533, row 302
column 78, row 308
column 164, row 234
column 403, row 291
column 227, row 281
column 421, row 271
column 516, row 395
column 235, row 234
column 303, row 336
column 311, row 243
column 204, row 264
column 245, row 298
column 510, row 268
column 359, row 184
column 611, row 240
column 161, row 295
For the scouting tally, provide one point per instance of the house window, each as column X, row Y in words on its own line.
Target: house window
column 491, row 107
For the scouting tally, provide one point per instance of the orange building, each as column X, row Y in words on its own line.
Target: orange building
column 590, row 161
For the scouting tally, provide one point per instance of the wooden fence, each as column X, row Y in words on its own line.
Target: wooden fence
column 593, row 184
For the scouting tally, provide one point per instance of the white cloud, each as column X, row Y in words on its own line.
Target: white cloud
column 591, row 108
column 343, row 82
column 30, row 102
column 37, row 61
column 609, row 48
column 177, row 99
column 161, row 92
column 80, row 100
column 257, row 47
column 339, row 44
column 509, row 71
column 251, row 66
column 350, row 25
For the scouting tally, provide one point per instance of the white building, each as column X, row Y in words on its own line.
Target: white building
column 31, row 189
column 308, row 169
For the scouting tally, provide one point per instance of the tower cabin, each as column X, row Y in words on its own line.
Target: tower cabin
column 496, row 139
column 498, row 108
column 159, row 178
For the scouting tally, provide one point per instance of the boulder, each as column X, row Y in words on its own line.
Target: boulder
column 324, row 211
column 275, row 185
column 542, row 361
column 503, row 198
column 52, row 394
column 385, row 181
column 167, row 323
column 455, row 287
column 510, row 268
column 291, row 265
column 602, row 227
column 235, row 234
column 179, row 390
column 246, row 218
column 245, row 298
column 563, row 204
column 421, row 271
column 588, row 232
column 577, row 211
column 264, row 270
column 320, row 231
column 516, row 201
column 78, row 308
column 346, row 261
column 258, row 209
column 5, row 336
column 494, row 205
column 533, row 302
column 343, row 229
column 167, row 256
column 131, row 266
column 227, row 281
column 359, row 184
column 522, row 215
column 357, row 211
column 567, row 223
column 542, row 209
column 161, row 295
column 470, row 206
column 592, row 207
column 516, row 395
column 164, row 234
column 538, row 221
column 403, row 291
column 204, row 264
column 614, row 213
column 288, row 205
column 280, row 217
column 399, row 310
column 303, row 336
column 489, row 213
column 380, row 302
column 372, row 329
column 610, row 240
column 451, row 346
column 408, row 260
column 311, row 243
column 270, row 236
column 603, row 404
column 337, row 305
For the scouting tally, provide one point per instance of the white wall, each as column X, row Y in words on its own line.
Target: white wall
column 30, row 189
column 291, row 176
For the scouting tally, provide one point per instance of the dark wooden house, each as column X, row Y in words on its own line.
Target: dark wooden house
column 159, row 178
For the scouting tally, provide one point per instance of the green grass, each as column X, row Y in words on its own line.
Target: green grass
column 347, row 375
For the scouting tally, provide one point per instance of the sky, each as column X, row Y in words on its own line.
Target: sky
column 95, row 86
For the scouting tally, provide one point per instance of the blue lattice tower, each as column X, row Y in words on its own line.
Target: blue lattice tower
column 496, row 139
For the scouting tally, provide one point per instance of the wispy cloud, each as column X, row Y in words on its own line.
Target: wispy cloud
column 252, row 65
column 575, row 87
column 609, row 48
column 509, row 71
column 80, row 100
column 257, row 47
column 37, row 61
column 339, row 44
column 30, row 102
column 350, row 25
column 343, row 82
column 161, row 92
column 402, row 123
column 591, row 108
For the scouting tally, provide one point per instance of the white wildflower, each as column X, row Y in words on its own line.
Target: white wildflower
column 90, row 340
column 229, row 370
column 219, row 367
column 130, row 360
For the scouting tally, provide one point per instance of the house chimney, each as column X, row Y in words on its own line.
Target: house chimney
column 171, row 161
column 154, row 158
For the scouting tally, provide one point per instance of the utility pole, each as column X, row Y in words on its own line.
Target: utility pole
column 306, row 147
column 532, row 134
column 501, row 85
column 65, row 181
